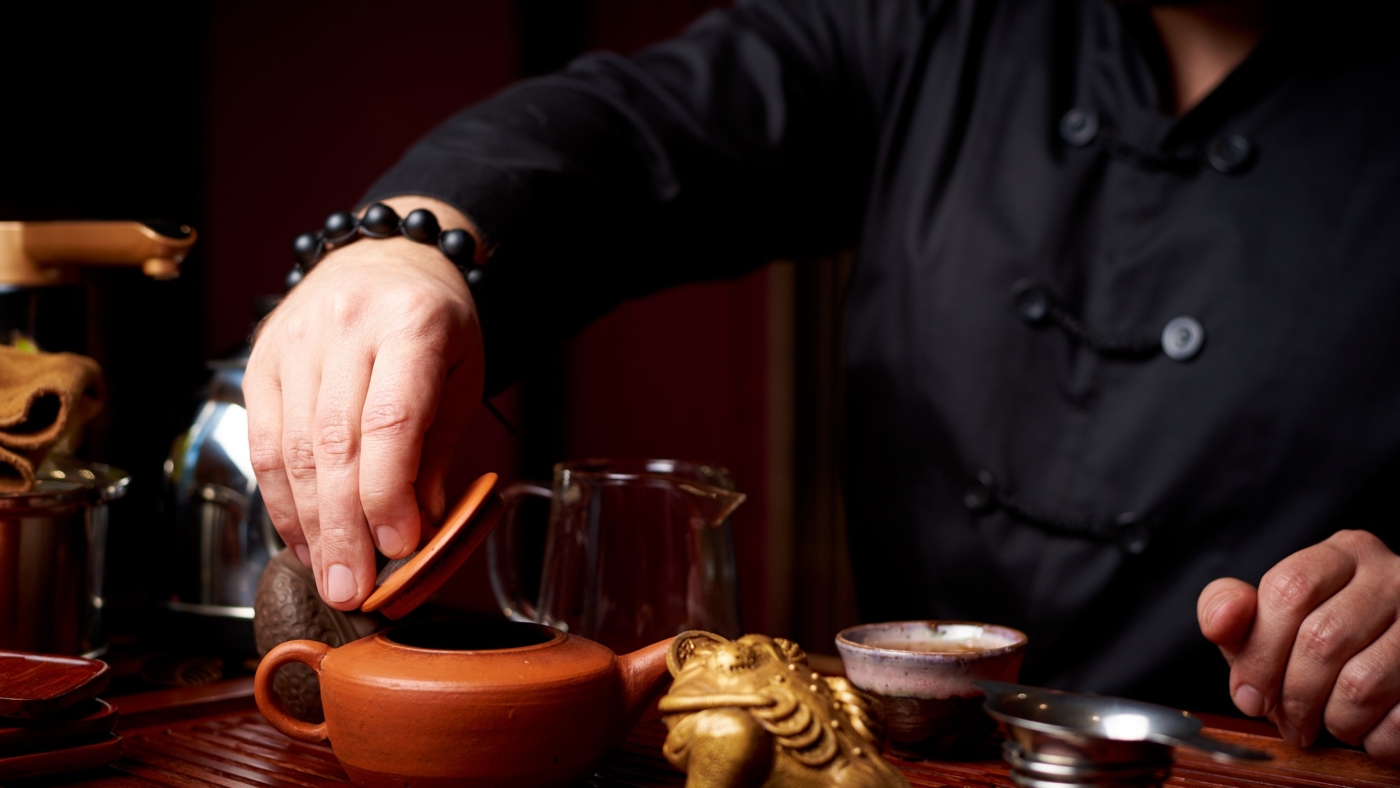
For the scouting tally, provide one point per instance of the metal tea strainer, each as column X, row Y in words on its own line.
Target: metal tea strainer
column 1062, row 739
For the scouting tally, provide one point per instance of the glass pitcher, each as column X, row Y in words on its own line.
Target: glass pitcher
column 636, row 551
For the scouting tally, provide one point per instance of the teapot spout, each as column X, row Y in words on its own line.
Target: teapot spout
column 644, row 675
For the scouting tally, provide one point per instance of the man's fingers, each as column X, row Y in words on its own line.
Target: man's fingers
column 1383, row 742
column 461, row 399
column 262, row 397
column 301, row 378
column 402, row 400
column 1367, row 690
column 1331, row 636
column 1225, row 611
column 346, row 552
column 1288, row 594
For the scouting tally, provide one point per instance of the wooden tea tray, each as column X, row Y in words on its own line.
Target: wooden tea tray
column 219, row 740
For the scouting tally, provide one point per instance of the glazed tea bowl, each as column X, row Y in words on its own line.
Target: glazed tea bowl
column 923, row 673
column 436, row 704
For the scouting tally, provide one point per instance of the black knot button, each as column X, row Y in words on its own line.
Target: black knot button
column 981, row 491
column 1033, row 300
column 1133, row 535
column 1079, row 126
column 1182, row 338
column 1230, row 153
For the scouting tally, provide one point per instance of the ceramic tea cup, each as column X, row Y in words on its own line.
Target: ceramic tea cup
column 923, row 672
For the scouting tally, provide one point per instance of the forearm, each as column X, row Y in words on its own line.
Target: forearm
column 749, row 138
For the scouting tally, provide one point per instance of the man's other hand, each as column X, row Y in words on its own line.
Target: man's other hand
column 1317, row 644
column 359, row 387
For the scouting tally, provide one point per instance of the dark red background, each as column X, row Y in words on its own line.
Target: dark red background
column 252, row 121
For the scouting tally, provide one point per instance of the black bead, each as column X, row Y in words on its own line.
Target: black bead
column 422, row 226
column 379, row 221
column 458, row 245
column 340, row 227
column 294, row 276
column 306, row 248
column 475, row 275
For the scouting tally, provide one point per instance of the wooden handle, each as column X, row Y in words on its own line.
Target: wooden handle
column 307, row 652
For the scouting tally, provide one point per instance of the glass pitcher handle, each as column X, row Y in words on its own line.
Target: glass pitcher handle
column 502, row 556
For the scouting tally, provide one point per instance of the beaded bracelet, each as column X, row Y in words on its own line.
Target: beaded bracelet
column 380, row 221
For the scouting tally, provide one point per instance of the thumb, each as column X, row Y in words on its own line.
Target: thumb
column 1225, row 611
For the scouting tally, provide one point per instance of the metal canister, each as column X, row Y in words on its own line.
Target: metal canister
column 53, row 544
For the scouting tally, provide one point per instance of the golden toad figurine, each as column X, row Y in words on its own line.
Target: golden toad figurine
column 751, row 712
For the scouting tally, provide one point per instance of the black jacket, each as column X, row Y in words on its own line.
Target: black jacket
column 1028, row 442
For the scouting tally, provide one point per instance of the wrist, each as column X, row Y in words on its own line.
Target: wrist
column 380, row 222
column 449, row 217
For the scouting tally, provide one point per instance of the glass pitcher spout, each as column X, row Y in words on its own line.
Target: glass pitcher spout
column 714, row 504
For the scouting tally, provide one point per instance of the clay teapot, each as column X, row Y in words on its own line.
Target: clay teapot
column 502, row 703
column 447, row 703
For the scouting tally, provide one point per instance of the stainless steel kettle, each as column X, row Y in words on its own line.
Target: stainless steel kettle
column 219, row 524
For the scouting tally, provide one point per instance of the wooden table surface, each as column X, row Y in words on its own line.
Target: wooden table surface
column 214, row 738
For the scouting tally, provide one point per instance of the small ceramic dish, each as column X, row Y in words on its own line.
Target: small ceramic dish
column 84, row 722
column 923, row 672
column 38, row 686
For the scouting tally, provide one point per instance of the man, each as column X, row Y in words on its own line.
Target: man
column 1121, row 329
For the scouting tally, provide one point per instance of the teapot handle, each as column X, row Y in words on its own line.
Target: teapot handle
column 501, row 554
column 307, row 652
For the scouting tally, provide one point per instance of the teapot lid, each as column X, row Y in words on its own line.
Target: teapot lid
column 407, row 583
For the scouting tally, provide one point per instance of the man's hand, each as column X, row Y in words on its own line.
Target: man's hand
column 1317, row 644
column 358, row 389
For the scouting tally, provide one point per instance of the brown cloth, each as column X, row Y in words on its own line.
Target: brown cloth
column 43, row 398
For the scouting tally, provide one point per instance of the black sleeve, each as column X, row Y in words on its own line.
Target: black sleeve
column 748, row 138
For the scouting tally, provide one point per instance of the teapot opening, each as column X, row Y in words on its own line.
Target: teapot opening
column 471, row 635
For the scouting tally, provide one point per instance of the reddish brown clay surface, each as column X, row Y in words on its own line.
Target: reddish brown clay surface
column 86, row 722
column 35, row 686
column 61, row 761
column 460, row 533
column 495, row 704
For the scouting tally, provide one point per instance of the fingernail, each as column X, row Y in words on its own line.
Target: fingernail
column 303, row 554
column 1249, row 701
column 1289, row 733
column 340, row 583
column 390, row 543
